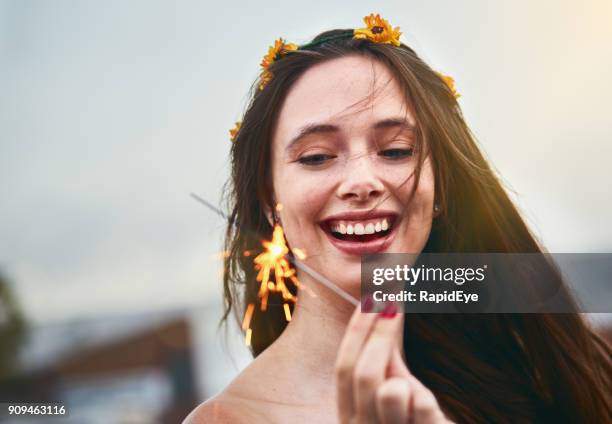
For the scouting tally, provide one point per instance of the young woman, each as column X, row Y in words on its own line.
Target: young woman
column 355, row 130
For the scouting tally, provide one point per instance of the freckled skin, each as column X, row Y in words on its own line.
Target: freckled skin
column 293, row 379
column 339, row 92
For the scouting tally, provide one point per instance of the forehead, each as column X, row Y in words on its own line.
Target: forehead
column 351, row 92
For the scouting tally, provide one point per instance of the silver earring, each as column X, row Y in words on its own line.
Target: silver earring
column 436, row 207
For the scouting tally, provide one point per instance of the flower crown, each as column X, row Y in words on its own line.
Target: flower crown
column 377, row 30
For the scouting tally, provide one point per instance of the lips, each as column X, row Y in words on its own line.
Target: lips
column 361, row 232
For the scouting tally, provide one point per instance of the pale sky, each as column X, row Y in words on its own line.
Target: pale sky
column 112, row 112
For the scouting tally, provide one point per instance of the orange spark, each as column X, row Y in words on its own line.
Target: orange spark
column 220, row 255
column 273, row 261
column 287, row 312
column 246, row 322
column 247, row 339
column 299, row 253
column 273, row 271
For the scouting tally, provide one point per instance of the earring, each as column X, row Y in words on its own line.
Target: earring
column 436, row 208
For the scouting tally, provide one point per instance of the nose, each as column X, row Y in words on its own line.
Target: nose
column 359, row 181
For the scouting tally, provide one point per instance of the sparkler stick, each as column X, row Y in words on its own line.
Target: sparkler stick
column 291, row 258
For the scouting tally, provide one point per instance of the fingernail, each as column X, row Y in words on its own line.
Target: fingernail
column 390, row 310
column 366, row 304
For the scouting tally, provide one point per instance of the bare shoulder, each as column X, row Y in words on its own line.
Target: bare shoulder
column 218, row 410
column 240, row 402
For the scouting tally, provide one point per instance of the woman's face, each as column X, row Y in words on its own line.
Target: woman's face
column 343, row 162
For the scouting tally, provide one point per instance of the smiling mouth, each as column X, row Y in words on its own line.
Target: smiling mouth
column 360, row 231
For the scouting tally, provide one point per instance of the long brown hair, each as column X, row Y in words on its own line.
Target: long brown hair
column 482, row 368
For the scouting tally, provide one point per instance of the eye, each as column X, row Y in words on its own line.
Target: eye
column 316, row 159
column 397, row 153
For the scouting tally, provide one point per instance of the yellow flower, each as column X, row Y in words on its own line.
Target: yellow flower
column 278, row 50
column 450, row 82
column 264, row 79
column 378, row 30
column 234, row 131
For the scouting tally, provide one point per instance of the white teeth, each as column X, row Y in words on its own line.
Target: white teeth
column 359, row 230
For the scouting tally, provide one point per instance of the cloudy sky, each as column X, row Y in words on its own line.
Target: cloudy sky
column 112, row 112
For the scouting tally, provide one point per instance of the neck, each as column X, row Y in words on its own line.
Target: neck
column 302, row 359
column 315, row 331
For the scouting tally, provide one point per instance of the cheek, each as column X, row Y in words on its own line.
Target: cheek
column 401, row 184
column 302, row 201
column 419, row 211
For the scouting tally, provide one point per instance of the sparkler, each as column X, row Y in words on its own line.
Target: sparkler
column 273, row 259
column 276, row 259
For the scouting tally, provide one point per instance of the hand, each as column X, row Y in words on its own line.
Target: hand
column 372, row 381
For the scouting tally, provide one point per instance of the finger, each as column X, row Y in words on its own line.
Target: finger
column 424, row 408
column 356, row 333
column 372, row 365
column 392, row 401
column 397, row 366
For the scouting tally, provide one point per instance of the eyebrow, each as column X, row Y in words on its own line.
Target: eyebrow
column 314, row 128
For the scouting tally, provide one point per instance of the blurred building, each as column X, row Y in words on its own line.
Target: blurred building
column 142, row 368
